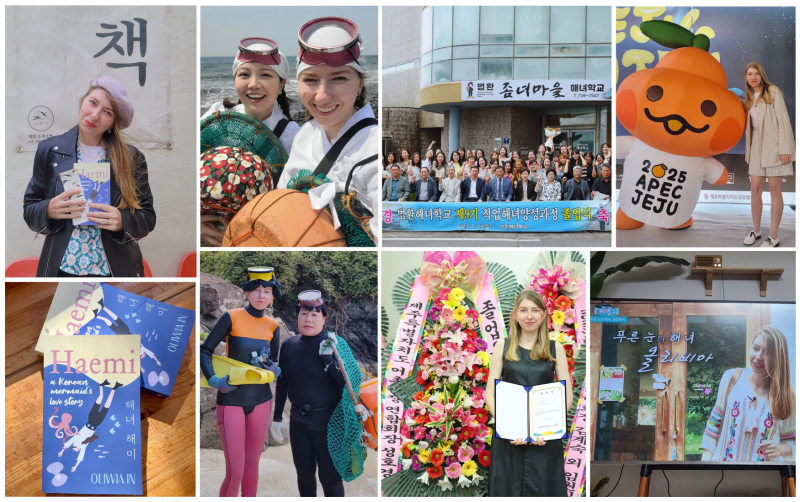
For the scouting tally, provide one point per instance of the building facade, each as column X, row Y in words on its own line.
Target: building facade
column 445, row 70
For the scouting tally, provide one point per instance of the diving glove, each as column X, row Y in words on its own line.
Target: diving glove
column 221, row 384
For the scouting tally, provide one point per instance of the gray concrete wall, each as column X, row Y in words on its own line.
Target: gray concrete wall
column 172, row 172
column 670, row 282
column 400, row 34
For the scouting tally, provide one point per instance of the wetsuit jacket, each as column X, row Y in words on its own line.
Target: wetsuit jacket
column 307, row 382
column 244, row 331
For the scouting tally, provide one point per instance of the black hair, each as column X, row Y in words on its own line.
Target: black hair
column 322, row 308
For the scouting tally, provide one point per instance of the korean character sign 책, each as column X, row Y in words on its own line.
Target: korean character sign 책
column 130, row 45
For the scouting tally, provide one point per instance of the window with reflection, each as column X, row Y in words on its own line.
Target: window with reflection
column 441, row 72
column 626, row 422
column 425, row 76
column 598, row 24
column 598, row 68
column 427, row 30
column 726, row 338
column 496, row 68
column 465, row 52
column 465, row 69
column 442, row 54
column 568, row 24
column 465, row 25
column 567, row 68
column 571, row 50
column 530, row 68
column 497, row 25
column 531, row 51
column 532, row 25
column 442, row 27
column 503, row 51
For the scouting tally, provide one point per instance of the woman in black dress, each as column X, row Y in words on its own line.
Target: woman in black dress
column 527, row 357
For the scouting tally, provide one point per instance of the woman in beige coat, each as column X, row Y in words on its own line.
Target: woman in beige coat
column 769, row 149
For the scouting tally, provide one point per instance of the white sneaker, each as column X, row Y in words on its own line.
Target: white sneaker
column 751, row 238
column 769, row 243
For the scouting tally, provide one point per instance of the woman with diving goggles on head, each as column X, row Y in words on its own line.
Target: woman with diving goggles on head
column 340, row 138
column 259, row 76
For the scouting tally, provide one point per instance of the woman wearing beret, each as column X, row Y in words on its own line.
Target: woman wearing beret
column 769, row 149
column 259, row 71
column 109, row 247
column 341, row 126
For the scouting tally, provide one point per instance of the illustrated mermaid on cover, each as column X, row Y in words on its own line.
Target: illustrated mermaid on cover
column 81, row 439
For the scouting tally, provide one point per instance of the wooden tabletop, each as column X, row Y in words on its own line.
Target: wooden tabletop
column 168, row 425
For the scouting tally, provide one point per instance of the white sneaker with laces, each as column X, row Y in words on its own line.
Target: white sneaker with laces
column 751, row 238
column 769, row 243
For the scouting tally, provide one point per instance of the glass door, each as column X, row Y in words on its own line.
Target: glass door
column 583, row 140
column 632, row 421
column 716, row 337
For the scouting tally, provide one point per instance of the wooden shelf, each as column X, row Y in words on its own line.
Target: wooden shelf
column 763, row 273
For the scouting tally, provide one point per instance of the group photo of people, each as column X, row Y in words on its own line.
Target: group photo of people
column 472, row 176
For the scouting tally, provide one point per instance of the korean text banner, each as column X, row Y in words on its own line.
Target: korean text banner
column 535, row 90
column 75, row 45
column 562, row 216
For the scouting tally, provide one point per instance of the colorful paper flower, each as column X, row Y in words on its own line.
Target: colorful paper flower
column 484, row 458
column 437, row 457
column 469, row 468
column 465, row 453
column 435, row 472
column 458, row 313
column 563, row 302
column 481, row 415
column 453, row 470
column 457, row 294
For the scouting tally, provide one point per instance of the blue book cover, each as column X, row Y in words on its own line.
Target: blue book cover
column 165, row 331
column 91, row 432
column 94, row 180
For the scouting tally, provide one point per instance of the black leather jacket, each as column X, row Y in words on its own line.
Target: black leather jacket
column 56, row 155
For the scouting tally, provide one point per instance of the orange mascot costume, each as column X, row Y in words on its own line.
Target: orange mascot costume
column 679, row 113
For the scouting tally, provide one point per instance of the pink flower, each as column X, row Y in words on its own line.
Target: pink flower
column 419, row 433
column 478, row 446
column 447, row 315
column 405, row 431
column 465, row 453
column 453, row 470
column 569, row 316
column 478, row 396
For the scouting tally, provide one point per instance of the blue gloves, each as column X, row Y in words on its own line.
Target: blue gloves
column 221, row 384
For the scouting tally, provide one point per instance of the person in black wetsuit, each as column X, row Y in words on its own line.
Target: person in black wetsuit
column 243, row 411
column 314, row 385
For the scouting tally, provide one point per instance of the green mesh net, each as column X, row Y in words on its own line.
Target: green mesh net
column 242, row 131
column 344, row 428
column 352, row 215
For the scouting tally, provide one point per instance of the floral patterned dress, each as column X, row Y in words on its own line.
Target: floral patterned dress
column 85, row 254
column 736, row 429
